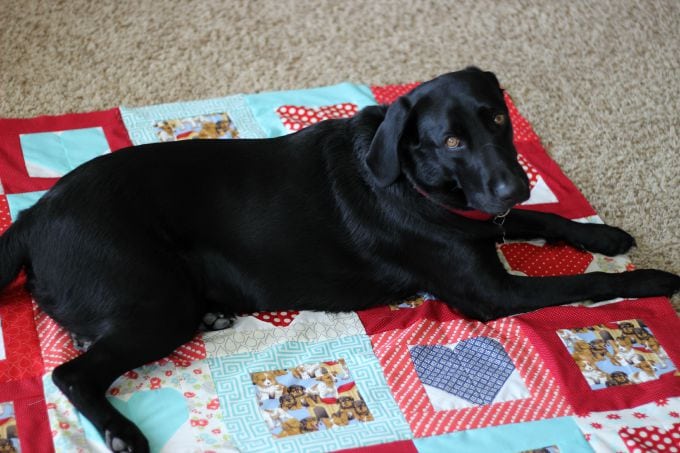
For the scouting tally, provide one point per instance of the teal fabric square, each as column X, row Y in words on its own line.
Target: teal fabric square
column 247, row 426
column 53, row 154
column 19, row 201
column 141, row 121
column 561, row 432
column 264, row 105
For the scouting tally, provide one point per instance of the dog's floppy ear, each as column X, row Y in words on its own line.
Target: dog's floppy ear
column 383, row 155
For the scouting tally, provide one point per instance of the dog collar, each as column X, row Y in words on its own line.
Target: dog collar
column 470, row 214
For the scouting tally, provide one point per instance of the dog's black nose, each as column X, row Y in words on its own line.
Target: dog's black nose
column 511, row 191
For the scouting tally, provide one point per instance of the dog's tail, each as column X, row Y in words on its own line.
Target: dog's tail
column 12, row 254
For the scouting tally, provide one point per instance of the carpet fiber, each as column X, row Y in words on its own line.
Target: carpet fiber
column 599, row 81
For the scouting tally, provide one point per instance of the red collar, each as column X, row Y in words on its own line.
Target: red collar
column 470, row 214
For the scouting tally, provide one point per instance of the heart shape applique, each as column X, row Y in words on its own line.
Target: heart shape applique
column 475, row 370
column 296, row 117
column 547, row 260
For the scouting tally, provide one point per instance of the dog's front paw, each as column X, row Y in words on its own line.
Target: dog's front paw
column 652, row 282
column 125, row 437
column 604, row 239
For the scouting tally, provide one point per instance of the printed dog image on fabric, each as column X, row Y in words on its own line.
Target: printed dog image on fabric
column 617, row 353
column 9, row 440
column 217, row 125
column 309, row 398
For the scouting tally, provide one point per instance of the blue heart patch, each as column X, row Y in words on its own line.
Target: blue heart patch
column 474, row 369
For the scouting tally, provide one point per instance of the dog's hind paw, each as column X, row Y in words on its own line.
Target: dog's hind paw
column 81, row 344
column 216, row 321
column 131, row 441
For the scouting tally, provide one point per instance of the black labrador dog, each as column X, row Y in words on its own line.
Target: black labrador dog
column 132, row 251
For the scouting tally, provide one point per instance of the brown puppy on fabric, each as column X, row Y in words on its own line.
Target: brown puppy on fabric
column 131, row 250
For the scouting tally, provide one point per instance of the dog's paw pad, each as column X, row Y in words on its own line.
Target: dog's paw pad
column 81, row 344
column 116, row 444
column 216, row 321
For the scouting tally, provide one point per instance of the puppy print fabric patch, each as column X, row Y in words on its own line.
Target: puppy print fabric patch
column 617, row 353
column 609, row 356
column 289, row 397
column 9, row 438
column 297, row 117
column 217, row 125
column 309, row 398
column 226, row 117
column 413, row 302
column 474, row 371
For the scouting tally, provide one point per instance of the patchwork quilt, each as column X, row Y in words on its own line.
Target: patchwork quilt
column 415, row 376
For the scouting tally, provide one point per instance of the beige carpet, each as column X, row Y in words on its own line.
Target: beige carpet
column 600, row 81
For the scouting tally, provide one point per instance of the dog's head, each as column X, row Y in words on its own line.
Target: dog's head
column 452, row 138
column 263, row 379
column 287, row 401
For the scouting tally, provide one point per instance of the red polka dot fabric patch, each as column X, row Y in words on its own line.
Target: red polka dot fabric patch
column 387, row 94
column 522, row 130
column 297, row 117
column 529, row 169
column 651, row 439
column 5, row 217
column 547, row 260
column 277, row 318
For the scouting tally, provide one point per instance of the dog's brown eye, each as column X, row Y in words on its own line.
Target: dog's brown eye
column 499, row 119
column 453, row 142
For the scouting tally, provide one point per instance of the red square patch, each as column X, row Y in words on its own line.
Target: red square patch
column 597, row 366
column 15, row 176
column 440, row 327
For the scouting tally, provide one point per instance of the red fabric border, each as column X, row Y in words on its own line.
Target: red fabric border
column 391, row 349
column 33, row 426
column 13, row 172
column 402, row 446
column 381, row 319
column 541, row 327
column 571, row 202
column 22, row 347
